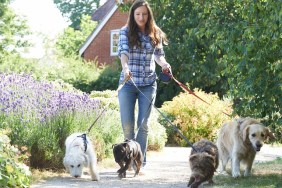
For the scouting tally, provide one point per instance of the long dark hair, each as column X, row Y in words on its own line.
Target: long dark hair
column 156, row 34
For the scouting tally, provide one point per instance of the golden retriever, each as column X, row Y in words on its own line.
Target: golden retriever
column 239, row 141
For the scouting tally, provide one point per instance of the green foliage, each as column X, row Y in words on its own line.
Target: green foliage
column 13, row 30
column 108, row 78
column 194, row 118
column 248, row 36
column 47, row 141
column 69, row 42
column 74, row 10
column 13, row 170
column 189, row 52
column 157, row 136
column 68, row 71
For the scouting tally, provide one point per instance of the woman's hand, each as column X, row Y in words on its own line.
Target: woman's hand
column 166, row 66
column 127, row 74
column 124, row 62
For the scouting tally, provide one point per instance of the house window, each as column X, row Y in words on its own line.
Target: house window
column 114, row 42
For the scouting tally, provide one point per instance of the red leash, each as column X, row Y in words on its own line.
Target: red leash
column 167, row 72
column 188, row 90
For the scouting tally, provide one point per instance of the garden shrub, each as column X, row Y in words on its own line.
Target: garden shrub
column 108, row 78
column 41, row 116
column 157, row 137
column 13, row 170
column 194, row 118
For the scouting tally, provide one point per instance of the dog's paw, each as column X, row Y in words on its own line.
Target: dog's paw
column 247, row 173
column 95, row 179
column 122, row 175
column 236, row 174
column 223, row 173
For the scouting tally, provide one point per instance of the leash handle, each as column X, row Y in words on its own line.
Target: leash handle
column 167, row 72
column 123, row 82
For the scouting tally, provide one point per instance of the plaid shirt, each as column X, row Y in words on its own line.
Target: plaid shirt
column 141, row 61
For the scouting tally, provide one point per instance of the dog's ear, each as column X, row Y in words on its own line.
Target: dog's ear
column 114, row 145
column 125, row 145
column 65, row 161
column 245, row 133
column 127, row 149
column 126, row 140
column 269, row 134
column 211, row 159
column 192, row 157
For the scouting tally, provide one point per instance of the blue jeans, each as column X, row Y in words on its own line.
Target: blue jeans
column 128, row 96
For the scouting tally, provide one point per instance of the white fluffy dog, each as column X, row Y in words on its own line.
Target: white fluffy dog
column 79, row 154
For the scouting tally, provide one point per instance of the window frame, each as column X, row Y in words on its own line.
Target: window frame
column 113, row 34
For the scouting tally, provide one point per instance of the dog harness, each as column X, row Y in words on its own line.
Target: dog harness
column 83, row 136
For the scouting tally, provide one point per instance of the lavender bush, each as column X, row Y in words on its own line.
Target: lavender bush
column 41, row 116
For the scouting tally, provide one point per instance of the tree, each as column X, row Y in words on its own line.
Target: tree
column 74, row 9
column 13, row 30
column 250, row 37
column 70, row 41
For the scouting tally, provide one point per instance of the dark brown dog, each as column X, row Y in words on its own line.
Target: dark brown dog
column 125, row 153
column 203, row 162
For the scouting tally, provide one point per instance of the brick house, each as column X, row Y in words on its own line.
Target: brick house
column 101, row 44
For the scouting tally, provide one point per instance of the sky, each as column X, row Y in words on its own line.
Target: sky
column 44, row 18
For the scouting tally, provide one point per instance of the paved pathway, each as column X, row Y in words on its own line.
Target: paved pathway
column 166, row 169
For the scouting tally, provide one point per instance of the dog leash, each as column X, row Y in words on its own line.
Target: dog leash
column 106, row 107
column 185, row 88
column 96, row 120
column 177, row 130
column 83, row 136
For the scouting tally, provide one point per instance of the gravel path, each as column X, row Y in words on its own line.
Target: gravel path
column 169, row 168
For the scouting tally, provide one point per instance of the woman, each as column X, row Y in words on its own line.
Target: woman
column 140, row 45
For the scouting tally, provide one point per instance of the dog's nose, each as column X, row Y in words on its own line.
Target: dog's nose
column 259, row 145
column 76, row 176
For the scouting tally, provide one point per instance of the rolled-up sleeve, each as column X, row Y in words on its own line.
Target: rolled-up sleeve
column 159, row 51
column 123, row 44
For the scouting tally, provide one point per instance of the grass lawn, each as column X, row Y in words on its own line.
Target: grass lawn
column 264, row 175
